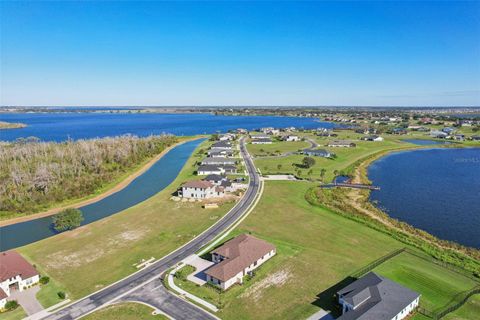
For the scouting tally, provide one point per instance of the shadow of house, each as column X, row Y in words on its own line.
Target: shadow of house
column 327, row 300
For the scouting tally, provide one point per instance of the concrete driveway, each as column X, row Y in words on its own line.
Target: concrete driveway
column 27, row 299
column 198, row 276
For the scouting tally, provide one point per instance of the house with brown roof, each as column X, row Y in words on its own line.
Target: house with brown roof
column 201, row 189
column 237, row 258
column 16, row 273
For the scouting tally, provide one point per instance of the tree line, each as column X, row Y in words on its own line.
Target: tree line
column 35, row 175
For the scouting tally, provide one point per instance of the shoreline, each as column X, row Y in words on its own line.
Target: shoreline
column 116, row 188
column 360, row 174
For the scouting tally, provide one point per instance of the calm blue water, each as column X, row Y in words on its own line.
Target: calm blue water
column 437, row 190
column 61, row 126
column 155, row 179
column 426, row 142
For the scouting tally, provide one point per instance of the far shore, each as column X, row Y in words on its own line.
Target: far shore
column 101, row 196
column 11, row 125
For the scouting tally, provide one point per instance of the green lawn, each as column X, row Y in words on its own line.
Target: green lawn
column 470, row 310
column 436, row 284
column 125, row 311
column 345, row 157
column 16, row 314
column 277, row 147
column 316, row 251
column 108, row 248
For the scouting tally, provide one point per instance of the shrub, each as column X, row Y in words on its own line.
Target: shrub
column 11, row 305
column 44, row 280
column 61, row 294
column 68, row 219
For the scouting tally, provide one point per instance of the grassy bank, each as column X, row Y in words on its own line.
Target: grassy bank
column 11, row 125
column 110, row 247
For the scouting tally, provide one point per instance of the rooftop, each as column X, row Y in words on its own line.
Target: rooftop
column 202, row 184
column 240, row 252
column 13, row 264
column 374, row 297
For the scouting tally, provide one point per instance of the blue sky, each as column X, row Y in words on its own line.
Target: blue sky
column 240, row 53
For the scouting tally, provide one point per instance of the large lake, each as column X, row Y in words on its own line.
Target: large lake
column 62, row 126
column 437, row 190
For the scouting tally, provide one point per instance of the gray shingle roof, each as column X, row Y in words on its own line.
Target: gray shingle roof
column 375, row 298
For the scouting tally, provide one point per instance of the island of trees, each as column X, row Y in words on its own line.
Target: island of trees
column 37, row 175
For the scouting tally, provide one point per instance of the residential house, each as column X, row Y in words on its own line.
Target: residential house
column 237, row 258
column 399, row 131
column 375, row 297
column 317, row 153
column 215, row 152
column 222, row 145
column 218, row 160
column 291, row 138
column 373, row 138
column 342, row 144
column 459, row 137
column 227, row 137
column 448, row 130
column 262, row 141
column 16, row 273
column 475, row 138
column 201, row 189
column 221, row 181
column 259, row 136
column 216, row 169
column 438, row 134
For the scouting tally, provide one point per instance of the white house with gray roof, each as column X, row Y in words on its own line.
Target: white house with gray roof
column 373, row 297
column 218, row 160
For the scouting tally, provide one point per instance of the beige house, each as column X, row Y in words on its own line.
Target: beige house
column 16, row 274
column 200, row 189
column 237, row 258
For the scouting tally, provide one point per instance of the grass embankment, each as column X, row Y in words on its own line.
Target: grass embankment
column 345, row 157
column 108, row 248
column 317, row 250
column 46, row 175
column 125, row 311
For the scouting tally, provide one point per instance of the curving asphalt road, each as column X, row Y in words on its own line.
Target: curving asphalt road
column 146, row 285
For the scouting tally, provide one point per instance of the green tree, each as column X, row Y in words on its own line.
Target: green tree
column 279, row 167
column 44, row 280
column 322, row 173
column 11, row 305
column 214, row 137
column 308, row 162
column 68, row 219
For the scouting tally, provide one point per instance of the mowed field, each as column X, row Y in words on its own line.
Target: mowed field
column 277, row 147
column 317, row 250
column 345, row 157
column 93, row 256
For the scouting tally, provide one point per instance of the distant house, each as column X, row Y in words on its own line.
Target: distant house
column 262, row 141
column 317, row 153
column 376, row 297
column 221, row 181
column 237, row 258
column 373, row 138
column 200, row 189
column 222, row 145
column 342, row 144
column 259, row 136
column 16, row 273
column 227, row 137
column 399, row 131
column 459, row 137
column 291, row 138
column 475, row 138
column 438, row 134
column 448, row 130
column 215, row 152
column 218, row 160
column 209, row 169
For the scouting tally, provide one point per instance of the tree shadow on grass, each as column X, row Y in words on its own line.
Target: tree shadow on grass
column 327, row 299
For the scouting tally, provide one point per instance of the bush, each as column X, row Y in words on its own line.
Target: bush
column 11, row 305
column 44, row 280
column 67, row 220
column 308, row 162
column 61, row 294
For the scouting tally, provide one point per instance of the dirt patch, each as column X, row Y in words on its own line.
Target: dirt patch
column 276, row 279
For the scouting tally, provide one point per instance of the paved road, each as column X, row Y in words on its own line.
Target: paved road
column 133, row 286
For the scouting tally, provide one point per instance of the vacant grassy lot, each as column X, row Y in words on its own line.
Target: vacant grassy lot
column 436, row 284
column 16, row 314
column 277, row 147
column 470, row 310
column 317, row 249
column 108, row 248
column 125, row 311
column 345, row 158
